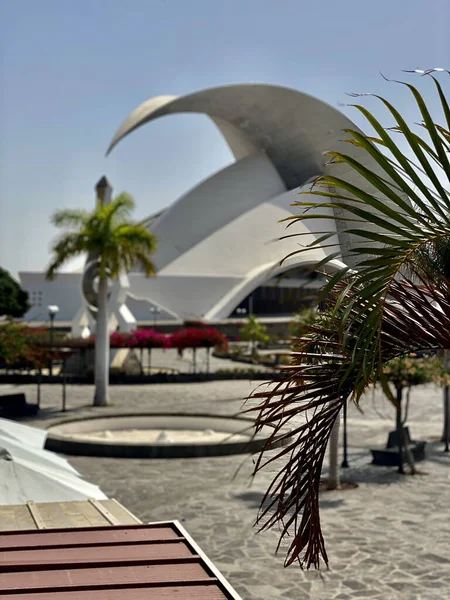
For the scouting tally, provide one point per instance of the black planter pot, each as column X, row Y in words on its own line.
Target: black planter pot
column 391, row 456
column 400, row 448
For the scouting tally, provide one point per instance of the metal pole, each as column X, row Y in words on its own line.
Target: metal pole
column 446, row 423
column 446, row 433
column 399, row 430
column 345, row 464
column 50, row 362
column 39, row 388
column 64, row 387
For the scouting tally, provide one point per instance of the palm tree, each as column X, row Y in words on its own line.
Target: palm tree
column 389, row 304
column 106, row 233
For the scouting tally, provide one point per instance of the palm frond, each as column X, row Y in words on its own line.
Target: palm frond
column 308, row 399
column 107, row 233
column 68, row 246
column 70, row 218
column 120, row 208
column 388, row 304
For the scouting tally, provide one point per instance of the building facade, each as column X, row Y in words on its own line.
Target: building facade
column 219, row 249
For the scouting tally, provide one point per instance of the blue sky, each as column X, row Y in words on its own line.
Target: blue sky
column 71, row 71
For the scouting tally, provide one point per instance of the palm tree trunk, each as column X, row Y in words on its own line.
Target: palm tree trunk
column 446, row 432
column 334, row 473
column 101, row 397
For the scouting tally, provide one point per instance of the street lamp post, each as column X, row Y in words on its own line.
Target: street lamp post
column 241, row 312
column 52, row 310
column 155, row 312
column 345, row 464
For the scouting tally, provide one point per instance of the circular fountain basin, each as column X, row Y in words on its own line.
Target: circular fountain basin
column 158, row 435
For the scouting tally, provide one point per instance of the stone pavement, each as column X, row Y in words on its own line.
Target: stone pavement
column 388, row 539
column 169, row 359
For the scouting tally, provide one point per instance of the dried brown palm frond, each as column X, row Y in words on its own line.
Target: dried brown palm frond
column 389, row 304
column 303, row 405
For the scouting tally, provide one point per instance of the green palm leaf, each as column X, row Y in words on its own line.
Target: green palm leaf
column 107, row 233
column 395, row 299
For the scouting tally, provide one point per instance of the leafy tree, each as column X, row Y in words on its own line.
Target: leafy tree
column 254, row 331
column 303, row 318
column 13, row 299
column 404, row 372
column 119, row 244
column 300, row 327
column 387, row 305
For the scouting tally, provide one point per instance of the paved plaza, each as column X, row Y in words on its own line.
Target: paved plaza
column 387, row 539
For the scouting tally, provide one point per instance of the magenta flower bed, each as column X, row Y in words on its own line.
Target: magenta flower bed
column 191, row 337
column 140, row 338
column 202, row 337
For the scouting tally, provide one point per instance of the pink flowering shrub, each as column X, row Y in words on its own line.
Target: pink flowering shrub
column 149, row 338
column 201, row 337
column 25, row 346
column 190, row 337
column 139, row 338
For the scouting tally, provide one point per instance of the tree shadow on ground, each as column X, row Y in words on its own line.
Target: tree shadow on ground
column 435, row 453
column 51, row 412
column 254, row 500
column 374, row 474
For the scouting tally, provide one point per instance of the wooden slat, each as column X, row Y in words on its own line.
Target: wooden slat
column 23, row 518
column 192, row 592
column 76, row 537
column 86, row 515
column 121, row 512
column 52, row 515
column 106, row 514
column 15, row 517
column 80, row 514
column 94, row 555
column 51, row 580
column 36, row 515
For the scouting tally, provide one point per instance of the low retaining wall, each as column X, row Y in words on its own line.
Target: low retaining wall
column 25, row 379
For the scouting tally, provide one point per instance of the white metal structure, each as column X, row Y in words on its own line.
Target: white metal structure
column 28, row 472
column 219, row 241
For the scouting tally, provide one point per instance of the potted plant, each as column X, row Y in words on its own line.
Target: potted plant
column 404, row 373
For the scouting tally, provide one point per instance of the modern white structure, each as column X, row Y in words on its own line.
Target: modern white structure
column 218, row 244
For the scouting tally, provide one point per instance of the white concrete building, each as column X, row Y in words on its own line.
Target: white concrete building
column 218, row 244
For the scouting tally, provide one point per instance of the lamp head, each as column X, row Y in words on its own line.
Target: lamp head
column 52, row 310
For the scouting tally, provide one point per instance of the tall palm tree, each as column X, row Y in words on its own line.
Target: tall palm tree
column 390, row 303
column 119, row 244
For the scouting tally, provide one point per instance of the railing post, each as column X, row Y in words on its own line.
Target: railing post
column 345, row 464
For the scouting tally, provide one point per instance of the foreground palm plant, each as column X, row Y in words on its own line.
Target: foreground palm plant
column 106, row 233
column 389, row 304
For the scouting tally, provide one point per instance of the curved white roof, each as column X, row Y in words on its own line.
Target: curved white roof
column 216, row 243
column 293, row 129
